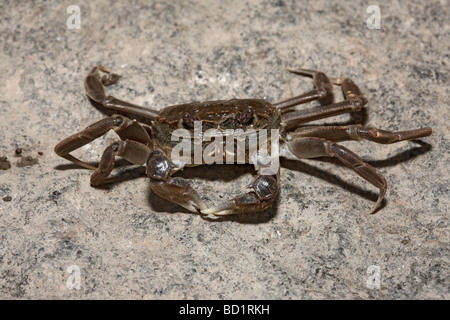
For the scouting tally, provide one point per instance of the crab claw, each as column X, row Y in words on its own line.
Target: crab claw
column 265, row 189
column 178, row 190
column 248, row 202
column 175, row 189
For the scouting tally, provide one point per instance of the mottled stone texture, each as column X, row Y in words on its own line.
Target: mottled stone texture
column 317, row 242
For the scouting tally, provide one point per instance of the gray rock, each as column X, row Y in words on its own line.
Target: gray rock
column 318, row 241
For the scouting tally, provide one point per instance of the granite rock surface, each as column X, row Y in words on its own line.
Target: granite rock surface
column 60, row 238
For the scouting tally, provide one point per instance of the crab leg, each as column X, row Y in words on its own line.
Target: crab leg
column 294, row 118
column 324, row 89
column 353, row 103
column 354, row 100
column 133, row 151
column 84, row 137
column 311, row 147
column 95, row 89
column 358, row 132
column 178, row 190
column 349, row 88
column 133, row 147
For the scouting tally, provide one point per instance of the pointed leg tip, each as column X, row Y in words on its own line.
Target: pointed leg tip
column 374, row 209
column 379, row 201
column 302, row 72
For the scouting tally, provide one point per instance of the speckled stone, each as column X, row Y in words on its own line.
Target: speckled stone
column 318, row 241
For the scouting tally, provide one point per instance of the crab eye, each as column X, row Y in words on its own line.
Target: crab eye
column 188, row 120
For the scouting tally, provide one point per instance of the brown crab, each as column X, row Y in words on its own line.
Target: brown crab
column 153, row 143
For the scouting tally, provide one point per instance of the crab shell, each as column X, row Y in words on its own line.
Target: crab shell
column 237, row 118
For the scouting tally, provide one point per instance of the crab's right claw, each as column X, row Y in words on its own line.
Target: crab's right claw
column 178, row 190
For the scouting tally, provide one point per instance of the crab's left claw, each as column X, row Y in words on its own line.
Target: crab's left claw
column 265, row 190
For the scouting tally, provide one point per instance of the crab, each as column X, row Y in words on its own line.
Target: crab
column 151, row 141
